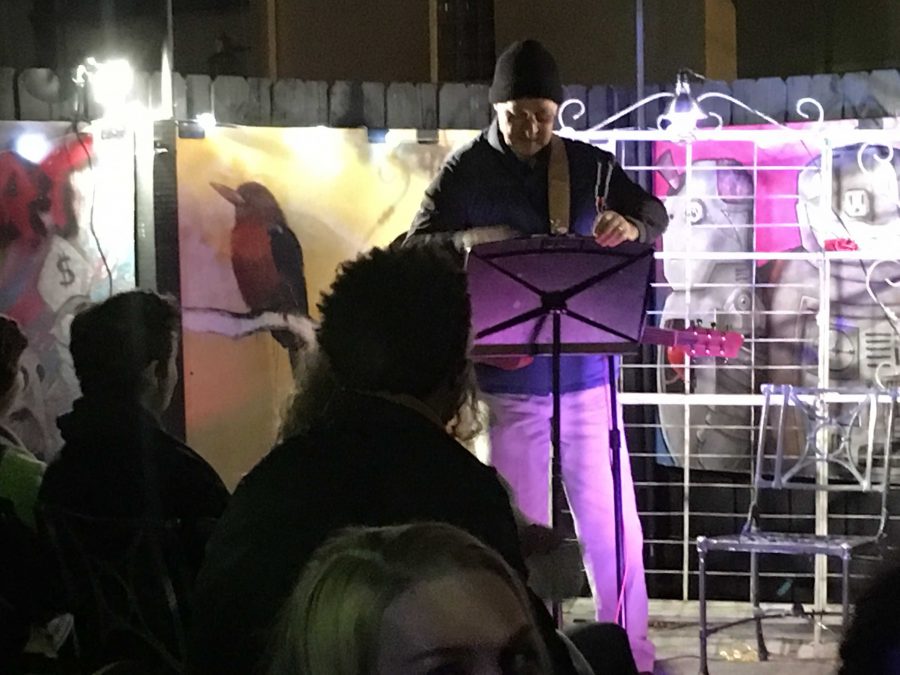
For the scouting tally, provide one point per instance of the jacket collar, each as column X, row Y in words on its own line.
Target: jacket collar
column 493, row 136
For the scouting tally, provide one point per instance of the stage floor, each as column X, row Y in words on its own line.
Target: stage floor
column 674, row 629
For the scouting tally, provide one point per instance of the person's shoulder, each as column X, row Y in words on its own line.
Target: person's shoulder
column 471, row 153
column 182, row 453
column 448, row 457
column 58, row 479
column 581, row 149
column 13, row 454
column 284, row 469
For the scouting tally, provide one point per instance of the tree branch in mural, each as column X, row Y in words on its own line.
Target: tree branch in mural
column 266, row 258
column 236, row 325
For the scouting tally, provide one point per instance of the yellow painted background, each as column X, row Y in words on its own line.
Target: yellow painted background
column 340, row 195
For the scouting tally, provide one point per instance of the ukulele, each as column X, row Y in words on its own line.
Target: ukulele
column 696, row 341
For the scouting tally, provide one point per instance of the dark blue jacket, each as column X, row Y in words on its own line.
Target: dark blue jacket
column 369, row 462
column 485, row 184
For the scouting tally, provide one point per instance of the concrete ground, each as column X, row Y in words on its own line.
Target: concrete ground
column 674, row 631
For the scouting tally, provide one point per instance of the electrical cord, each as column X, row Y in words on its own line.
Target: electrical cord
column 79, row 135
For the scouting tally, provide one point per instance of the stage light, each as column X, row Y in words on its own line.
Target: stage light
column 684, row 113
column 110, row 81
column 206, row 121
column 32, row 146
column 376, row 135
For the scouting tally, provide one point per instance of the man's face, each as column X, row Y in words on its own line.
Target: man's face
column 526, row 124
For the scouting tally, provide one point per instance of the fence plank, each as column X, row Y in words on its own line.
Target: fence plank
column 374, row 106
column 822, row 88
column 653, row 109
column 411, row 106
column 429, row 103
column 230, row 98
column 826, row 89
column 403, row 110
column 578, row 92
column 797, row 87
column 345, row 104
column 770, row 97
column 744, row 90
column 299, row 103
column 858, row 101
column 884, row 86
column 259, row 102
column 480, row 106
column 598, row 105
column 622, row 97
column 45, row 96
column 198, row 95
column 453, row 106
column 714, row 104
column 179, row 96
column 7, row 94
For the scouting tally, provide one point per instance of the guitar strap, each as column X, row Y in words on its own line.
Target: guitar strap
column 558, row 192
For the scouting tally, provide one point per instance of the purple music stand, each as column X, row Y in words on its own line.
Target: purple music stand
column 595, row 299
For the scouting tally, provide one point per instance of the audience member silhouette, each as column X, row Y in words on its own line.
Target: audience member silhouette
column 368, row 442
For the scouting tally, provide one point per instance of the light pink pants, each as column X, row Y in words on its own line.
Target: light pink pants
column 520, row 451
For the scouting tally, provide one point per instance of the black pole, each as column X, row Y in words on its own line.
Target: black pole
column 556, row 485
column 615, row 447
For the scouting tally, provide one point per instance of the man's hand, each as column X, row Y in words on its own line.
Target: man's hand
column 611, row 229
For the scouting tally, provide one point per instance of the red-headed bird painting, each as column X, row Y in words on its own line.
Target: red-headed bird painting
column 266, row 257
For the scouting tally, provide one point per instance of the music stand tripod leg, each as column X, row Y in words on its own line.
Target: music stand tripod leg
column 615, row 447
column 557, row 493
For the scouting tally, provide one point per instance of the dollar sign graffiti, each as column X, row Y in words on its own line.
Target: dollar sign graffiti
column 67, row 276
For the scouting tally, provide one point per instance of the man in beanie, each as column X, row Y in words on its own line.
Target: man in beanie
column 502, row 178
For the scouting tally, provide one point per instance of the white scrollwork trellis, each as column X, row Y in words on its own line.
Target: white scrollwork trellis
column 816, row 116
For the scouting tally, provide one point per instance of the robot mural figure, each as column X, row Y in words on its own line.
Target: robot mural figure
column 712, row 211
column 864, row 341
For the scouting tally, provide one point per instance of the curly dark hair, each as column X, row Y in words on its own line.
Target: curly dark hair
column 871, row 644
column 12, row 343
column 395, row 321
column 115, row 340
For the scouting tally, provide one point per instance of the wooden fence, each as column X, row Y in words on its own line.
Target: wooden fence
column 38, row 94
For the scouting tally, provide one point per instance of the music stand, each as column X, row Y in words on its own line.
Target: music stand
column 596, row 298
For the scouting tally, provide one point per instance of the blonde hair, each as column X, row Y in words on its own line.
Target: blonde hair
column 331, row 624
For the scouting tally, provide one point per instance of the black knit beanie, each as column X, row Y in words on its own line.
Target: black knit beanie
column 526, row 70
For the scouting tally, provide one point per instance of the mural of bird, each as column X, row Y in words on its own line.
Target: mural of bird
column 266, row 257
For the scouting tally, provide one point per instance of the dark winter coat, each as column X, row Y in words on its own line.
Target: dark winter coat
column 485, row 184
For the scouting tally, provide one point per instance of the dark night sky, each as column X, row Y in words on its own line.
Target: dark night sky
column 774, row 37
column 790, row 37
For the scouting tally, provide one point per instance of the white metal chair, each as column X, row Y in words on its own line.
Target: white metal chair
column 832, row 440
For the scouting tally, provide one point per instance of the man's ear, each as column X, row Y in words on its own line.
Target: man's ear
column 151, row 375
